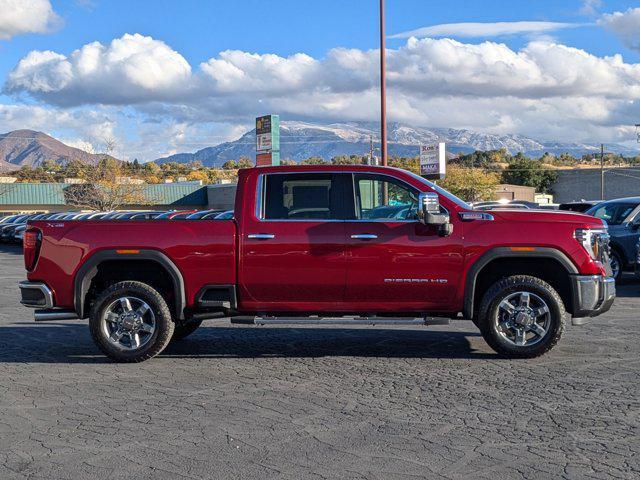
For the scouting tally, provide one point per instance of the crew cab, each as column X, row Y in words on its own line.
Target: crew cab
column 357, row 244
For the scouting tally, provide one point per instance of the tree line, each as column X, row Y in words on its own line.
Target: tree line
column 471, row 176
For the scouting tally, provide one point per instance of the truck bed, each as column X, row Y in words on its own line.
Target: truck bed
column 203, row 250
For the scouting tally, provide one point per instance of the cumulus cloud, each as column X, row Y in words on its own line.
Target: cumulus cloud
column 26, row 16
column 626, row 25
column 544, row 89
column 488, row 29
column 131, row 69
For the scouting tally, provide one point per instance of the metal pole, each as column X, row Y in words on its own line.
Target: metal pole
column 383, row 90
column 602, row 171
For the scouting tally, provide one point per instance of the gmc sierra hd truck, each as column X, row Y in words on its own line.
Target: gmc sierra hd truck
column 356, row 244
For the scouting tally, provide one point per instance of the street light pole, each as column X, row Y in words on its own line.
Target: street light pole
column 383, row 90
column 602, row 171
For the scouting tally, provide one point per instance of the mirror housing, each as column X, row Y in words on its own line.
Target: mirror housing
column 429, row 213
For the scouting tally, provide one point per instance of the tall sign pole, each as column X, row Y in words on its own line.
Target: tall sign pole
column 267, row 140
column 602, row 171
column 383, row 90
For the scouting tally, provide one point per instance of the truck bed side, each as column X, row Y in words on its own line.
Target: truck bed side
column 203, row 251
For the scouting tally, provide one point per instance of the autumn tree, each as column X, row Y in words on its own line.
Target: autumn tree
column 314, row 161
column 105, row 188
column 470, row 184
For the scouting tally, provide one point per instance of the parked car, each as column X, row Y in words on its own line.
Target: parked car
column 176, row 215
column 300, row 244
column 623, row 220
column 7, row 229
column 502, row 206
column 580, row 206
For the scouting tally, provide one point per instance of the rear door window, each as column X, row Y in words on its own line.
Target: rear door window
column 303, row 196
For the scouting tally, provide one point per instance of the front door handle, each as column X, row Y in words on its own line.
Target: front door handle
column 364, row 236
column 261, row 236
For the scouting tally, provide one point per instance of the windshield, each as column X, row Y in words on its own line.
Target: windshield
column 612, row 213
column 443, row 192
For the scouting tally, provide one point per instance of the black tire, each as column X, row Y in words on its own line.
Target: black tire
column 158, row 340
column 488, row 316
column 616, row 257
column 183, row 331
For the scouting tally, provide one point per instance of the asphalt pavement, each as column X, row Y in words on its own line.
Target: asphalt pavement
column 241, row 402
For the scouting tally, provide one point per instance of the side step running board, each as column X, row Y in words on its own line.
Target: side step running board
column 338, row 321
column 50, row 315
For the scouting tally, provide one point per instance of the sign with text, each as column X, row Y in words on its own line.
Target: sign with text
column 433, row 160
column 268, row 140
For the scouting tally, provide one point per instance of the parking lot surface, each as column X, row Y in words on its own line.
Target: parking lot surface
column 244, row 402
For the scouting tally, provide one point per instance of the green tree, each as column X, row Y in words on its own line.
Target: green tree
column 527, row 172
column 245, row 162
column 230, row 165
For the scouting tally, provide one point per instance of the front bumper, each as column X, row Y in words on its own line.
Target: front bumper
column 592, row 295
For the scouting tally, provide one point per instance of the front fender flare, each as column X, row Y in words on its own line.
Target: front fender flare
column 502, row 252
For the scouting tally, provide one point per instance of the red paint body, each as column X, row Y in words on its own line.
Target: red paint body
column 314, row 266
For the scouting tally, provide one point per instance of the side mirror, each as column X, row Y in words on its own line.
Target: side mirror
column 429, row 213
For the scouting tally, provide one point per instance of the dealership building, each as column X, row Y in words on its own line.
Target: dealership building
column 50, row 197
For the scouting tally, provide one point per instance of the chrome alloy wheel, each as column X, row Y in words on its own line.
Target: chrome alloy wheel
column 523, row 319
column 614, row 262
column 128, row 323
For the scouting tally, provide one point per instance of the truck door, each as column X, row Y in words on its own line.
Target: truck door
column 292, row 251
column 395, row 263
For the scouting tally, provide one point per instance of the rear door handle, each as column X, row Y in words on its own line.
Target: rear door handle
column 261, row 236
column 364, row 236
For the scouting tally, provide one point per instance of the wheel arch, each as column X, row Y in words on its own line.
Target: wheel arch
column 90, row 268
column 619, row 250
column 503, row 256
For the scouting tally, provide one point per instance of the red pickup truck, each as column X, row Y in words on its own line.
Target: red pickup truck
column 355, row 244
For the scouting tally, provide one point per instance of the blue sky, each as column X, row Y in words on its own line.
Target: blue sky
column 177, row 92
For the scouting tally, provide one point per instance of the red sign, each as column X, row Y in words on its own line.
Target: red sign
column 263, row 159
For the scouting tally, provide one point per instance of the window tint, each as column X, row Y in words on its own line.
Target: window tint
column 305, row 196
column 613, row 213
column 378, row 197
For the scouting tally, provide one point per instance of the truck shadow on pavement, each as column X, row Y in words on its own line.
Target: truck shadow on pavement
column 71, row 343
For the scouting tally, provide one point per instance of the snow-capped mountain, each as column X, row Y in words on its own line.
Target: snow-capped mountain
column 301, row 140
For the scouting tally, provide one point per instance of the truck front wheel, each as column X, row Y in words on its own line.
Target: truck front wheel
column 521, row 317
column 130, row 322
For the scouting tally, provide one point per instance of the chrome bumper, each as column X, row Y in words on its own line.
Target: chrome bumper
column 35, row 295
column 592, row 295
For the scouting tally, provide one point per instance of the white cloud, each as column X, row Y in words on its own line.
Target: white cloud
column 131, row 69
column 626, row 25
column 26, row 16
column 590, row 7
column 545, row 89
column 492, row 29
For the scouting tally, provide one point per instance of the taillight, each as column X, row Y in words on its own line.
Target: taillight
column 31, row 247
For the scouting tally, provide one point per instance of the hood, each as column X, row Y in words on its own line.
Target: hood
column 556, row 216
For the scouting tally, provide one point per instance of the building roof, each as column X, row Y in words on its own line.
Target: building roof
column 53, row 194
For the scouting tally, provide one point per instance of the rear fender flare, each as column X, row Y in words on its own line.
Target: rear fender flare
column 502, row 252
column 89, row 269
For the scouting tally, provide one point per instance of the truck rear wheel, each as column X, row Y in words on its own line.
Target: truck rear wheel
column 131, row 322
column 521, row 317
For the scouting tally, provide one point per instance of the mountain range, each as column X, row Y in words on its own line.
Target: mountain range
column 301, row 140
column 30, row 148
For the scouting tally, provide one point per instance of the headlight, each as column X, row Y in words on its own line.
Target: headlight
column 595, row 242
